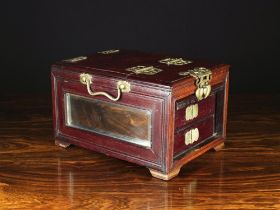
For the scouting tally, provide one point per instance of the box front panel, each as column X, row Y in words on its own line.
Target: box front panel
column 130, row 128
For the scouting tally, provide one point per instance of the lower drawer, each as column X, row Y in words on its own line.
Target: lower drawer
column 193, row 135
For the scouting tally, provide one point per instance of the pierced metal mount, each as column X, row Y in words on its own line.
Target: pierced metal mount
column 106, row 52
column 175, row 61
column 202, row 76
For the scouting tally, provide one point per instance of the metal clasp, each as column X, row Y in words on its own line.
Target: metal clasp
column 203, row 76
column 122, row 87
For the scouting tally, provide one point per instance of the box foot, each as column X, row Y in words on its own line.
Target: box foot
column 219, row 147
column 62, row 143
column 164, row 176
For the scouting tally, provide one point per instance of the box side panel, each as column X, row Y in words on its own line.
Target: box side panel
column 219, row 84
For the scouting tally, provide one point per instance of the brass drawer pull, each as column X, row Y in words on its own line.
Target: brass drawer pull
column 122, row 87
column 191, row 112
column 191, row 136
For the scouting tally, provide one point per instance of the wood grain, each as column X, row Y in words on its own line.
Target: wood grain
column 36, row 174
column 109, row 118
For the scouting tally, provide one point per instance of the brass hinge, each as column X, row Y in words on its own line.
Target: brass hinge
column 175, row 61
column 203, row 77
column 148, row 70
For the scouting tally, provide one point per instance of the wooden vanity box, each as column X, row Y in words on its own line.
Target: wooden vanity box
column 155, row 110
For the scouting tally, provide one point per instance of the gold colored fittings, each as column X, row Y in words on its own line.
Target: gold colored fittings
column 148, row 70
column 122, row 87
column 73, row 60
column 85, row 78
column 191, row 136
column 175, row 61
column 203, row 77
column 191, row 112
column 105, row 52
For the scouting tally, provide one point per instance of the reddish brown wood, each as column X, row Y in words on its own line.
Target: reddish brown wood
column 158, row 93
column 36, row 174
column 114, row 65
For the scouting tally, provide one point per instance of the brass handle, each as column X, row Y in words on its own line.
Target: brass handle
column 122, row 87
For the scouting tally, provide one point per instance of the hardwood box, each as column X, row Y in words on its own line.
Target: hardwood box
column 154, row 110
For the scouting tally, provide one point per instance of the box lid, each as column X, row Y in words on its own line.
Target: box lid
column 126, row 64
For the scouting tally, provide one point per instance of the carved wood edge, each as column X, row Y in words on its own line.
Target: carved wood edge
column 165, row 176
column 61, row 143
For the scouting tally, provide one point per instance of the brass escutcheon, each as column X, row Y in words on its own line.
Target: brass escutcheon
column 73, row 60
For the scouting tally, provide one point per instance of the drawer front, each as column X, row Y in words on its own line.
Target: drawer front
column 193, row 135
column 128, row 128
column 189, row 110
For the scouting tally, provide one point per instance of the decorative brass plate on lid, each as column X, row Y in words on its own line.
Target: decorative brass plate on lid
column 202, row 76
column 175, row 61
column 108, row 51
column 73, row 60
column 148, row 70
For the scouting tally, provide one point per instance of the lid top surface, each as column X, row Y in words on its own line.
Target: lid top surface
column 136, row 65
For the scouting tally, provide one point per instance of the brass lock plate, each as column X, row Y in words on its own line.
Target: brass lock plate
column 191, row 136
column 191, row 112
column 203, row 77
column 148, row 70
